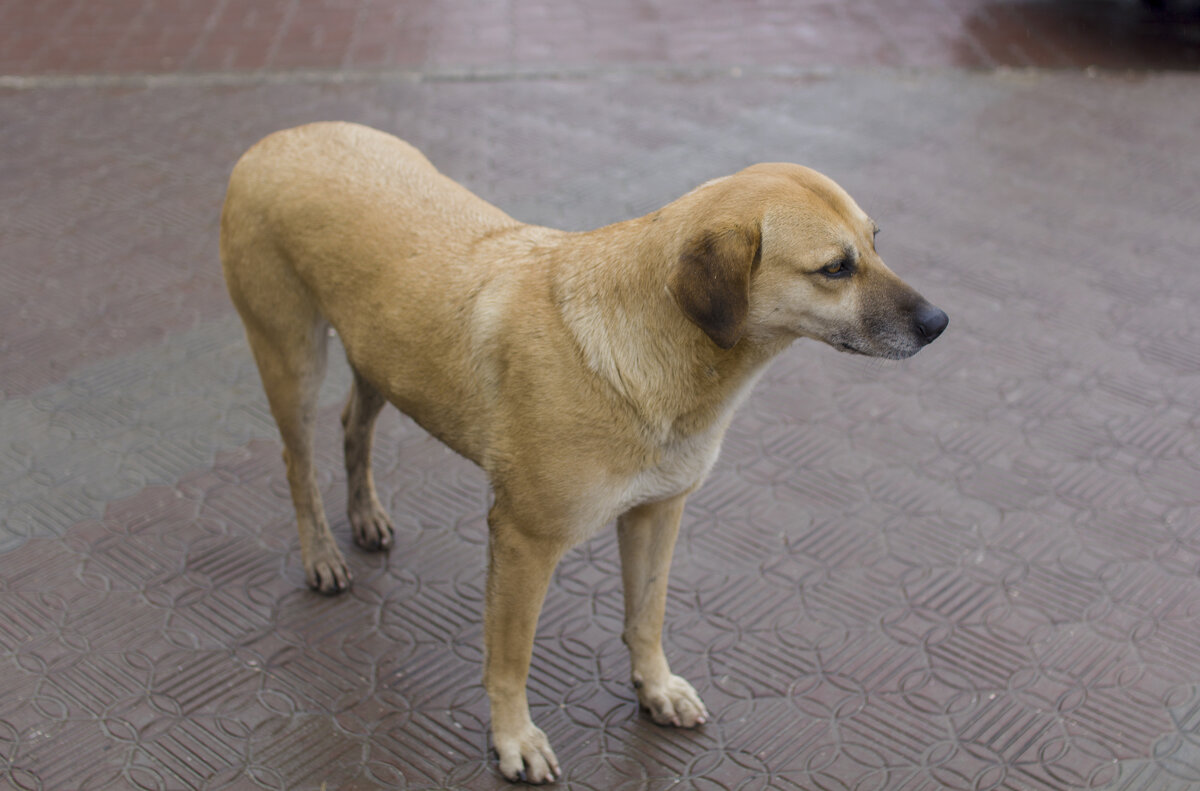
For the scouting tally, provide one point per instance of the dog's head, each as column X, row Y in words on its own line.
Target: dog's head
column 783, row 251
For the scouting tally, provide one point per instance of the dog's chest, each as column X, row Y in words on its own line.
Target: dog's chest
column 682, row 465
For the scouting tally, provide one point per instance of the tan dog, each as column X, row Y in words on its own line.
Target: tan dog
column 592, row 375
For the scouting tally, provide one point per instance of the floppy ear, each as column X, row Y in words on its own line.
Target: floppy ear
column 711, row 281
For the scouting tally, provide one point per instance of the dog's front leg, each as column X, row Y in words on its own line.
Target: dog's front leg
column 647, row 538
column 519, row 568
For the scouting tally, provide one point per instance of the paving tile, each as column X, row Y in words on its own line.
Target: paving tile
column 72, row 36
column 978, row 568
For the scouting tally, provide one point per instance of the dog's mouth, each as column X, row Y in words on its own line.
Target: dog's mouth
column 888, row 348
column 846, row 347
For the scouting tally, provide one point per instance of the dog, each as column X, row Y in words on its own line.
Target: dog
column 591, row 375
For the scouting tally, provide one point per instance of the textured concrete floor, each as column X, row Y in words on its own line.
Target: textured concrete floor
column 976, row 569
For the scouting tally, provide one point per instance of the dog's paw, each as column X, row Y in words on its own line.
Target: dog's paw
column 671, row 702
column 372, row 527
column 526, row 756
column 327, row 572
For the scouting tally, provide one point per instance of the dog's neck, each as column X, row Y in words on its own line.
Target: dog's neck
column 632, row 335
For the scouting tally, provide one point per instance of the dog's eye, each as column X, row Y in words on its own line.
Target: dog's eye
column 838, row 268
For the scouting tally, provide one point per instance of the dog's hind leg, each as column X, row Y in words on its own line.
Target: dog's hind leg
column 372, row 527
column 288, row 336
column 292, row 365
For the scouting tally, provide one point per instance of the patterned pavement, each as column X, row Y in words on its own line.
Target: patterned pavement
column 976, row 569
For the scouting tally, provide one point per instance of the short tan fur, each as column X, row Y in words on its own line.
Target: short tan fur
column 591, row 375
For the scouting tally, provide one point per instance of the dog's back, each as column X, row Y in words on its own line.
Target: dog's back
column 341, row 202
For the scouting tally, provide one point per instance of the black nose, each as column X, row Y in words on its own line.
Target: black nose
column 930, row 322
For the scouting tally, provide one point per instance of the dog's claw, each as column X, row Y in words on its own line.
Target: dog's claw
column 673, row 702
column 328, row 576
column 372, row 527
column 527, row 758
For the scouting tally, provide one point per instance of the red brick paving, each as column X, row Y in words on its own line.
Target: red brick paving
column 129, row 36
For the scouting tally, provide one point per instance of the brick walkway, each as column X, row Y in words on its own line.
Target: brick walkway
column 979, row 568
column 84, row 36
